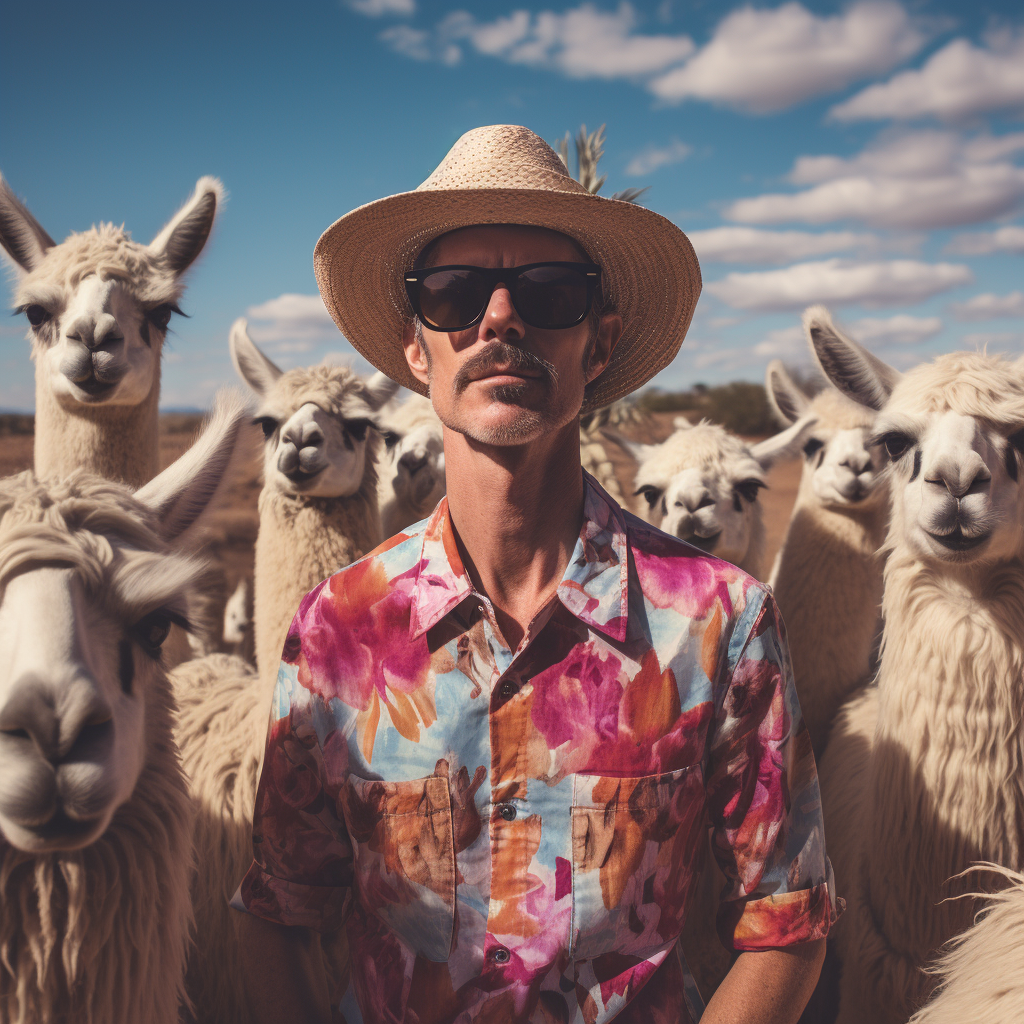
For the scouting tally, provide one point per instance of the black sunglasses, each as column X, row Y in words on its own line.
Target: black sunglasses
column 551, row 296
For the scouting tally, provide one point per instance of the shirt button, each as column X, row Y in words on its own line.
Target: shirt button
column 508, row 812
column 508, row 689
column 501, row 955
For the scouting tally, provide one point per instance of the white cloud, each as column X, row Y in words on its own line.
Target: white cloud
column 766, row 60
column 654, row 157
column 783, row 343
column 421, row 45
column 989, row 306
column 375, row 8
column 984, row 243
column 982, row 339
column 291, row 323
column 895, row 330
column 839, row 282
column 756, row 245
column 917, row 180
column 958, row 81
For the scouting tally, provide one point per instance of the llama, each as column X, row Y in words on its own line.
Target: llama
column 701, row 484
column 979, row 975
column 98, row 305
column 828, row 569
column 95, row 818
column 318, row 507
column 412, row 472
column 237, row 631
column 924, row 773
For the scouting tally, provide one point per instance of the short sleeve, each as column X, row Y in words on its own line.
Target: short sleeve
column 302, row 868
column 763, row 798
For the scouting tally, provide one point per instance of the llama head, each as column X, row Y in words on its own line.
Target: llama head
column 839, row 466
column 98, row 304
column 952, row 431
column 415, row 454
column 319, row 421
column 701, row 484
column 91, row 578
column 238, row 613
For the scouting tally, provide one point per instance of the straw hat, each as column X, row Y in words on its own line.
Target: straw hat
column 505, row 174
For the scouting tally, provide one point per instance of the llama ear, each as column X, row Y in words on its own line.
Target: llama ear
column 21, row 235
column 184, row 235
column 252, row 365
column 194, row 485
column 784, row 445
column 851, row 367
column 380, row 388
column 786, row 398
column 634, row 449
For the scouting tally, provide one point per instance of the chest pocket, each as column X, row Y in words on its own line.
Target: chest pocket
column 404, row 858
column 636, row 847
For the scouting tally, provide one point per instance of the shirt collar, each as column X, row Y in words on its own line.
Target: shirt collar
column 595, row 587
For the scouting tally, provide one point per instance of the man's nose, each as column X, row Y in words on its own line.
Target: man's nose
column 501, row 320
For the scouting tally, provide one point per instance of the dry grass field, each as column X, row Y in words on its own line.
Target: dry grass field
column 233, row 533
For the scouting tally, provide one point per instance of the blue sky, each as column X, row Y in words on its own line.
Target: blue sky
column 867, row 155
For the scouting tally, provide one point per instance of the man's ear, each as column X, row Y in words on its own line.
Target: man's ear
column 609, row 330
column 415, row 353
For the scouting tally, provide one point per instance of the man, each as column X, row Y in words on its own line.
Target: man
column 498, row 741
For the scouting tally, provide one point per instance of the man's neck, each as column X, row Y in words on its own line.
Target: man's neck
column 517, row 513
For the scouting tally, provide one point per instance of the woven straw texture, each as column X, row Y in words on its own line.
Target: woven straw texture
column 505, row 174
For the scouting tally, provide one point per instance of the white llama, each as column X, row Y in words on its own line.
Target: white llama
column 237, row 631
column 924, row 773
column 98, row 305
column 829, row 569
column 979, row 974
column 95, row 818
column 318, row 507
column 701, row 484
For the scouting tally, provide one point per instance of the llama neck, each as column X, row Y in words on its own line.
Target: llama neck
column 102, row 933
column 118, row 442
column 947, row 775
column 300, row 543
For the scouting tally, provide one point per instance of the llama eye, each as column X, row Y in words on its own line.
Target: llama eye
column 391, row 439
column 160, row 317
column 652, row 495
column 356, row 429
column 749, row 488
column 812, row 446
column 896, row 444
column 1014, row 447
column 37, row 315
column 152, row 630
column 267, row 424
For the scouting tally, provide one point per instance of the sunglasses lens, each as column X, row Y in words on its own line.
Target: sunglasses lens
column 552, row 297
column 451, row 299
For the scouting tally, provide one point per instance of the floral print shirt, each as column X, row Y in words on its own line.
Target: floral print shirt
column 516, row 835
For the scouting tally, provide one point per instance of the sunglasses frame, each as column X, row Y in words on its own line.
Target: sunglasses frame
column 501, row 275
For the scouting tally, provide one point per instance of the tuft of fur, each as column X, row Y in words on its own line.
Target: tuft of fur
column 98, row 935
column 979, row 975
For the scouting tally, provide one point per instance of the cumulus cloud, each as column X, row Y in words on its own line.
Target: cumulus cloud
column 959, row 81
column 896, row 330
column 839, row 282
column 984, row 243
column 766, row 60
column 375, row 8
column 291, row 323
column 989, row 306
column 916, row 180
column 756, row 245
column 650, row 159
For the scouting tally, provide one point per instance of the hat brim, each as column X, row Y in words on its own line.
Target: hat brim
column 649, row 270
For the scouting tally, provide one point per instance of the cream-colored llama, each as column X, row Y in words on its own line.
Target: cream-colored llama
column 98, row 305
column 827, row 576
column 924, row 773
column 980, row 976
column 95, row 818
column 318, row 507
column 701, row 484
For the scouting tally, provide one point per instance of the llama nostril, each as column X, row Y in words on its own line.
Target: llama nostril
column 413, row 461
column 29, row 713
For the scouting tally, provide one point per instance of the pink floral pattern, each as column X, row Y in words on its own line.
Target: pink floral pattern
column 516, row 836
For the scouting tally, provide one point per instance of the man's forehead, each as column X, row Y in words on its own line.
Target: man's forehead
column 500, row 245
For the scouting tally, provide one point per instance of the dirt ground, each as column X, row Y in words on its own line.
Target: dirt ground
column 233, row 532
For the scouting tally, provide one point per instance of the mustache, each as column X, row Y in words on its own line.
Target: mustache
column 501, row 354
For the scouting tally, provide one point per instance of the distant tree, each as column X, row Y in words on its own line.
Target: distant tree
column 589, row 150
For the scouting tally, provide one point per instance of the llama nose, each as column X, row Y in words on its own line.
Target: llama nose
column 857, row 462
column 695, row 502
column 81, row 728
column 960, row 476
column 413, row 461
column 93, row 330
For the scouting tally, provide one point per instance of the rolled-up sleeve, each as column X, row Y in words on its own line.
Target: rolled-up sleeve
column 302, row 868
column 763, row 799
